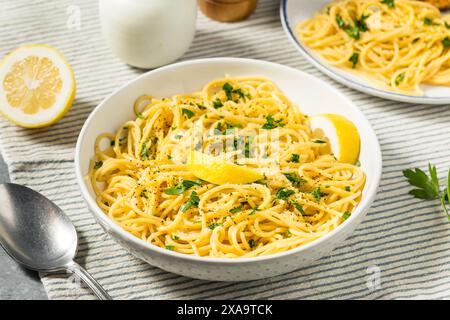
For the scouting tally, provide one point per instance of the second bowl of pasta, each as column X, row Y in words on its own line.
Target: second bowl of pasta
column 228, row 169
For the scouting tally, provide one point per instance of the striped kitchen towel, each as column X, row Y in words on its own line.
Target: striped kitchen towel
column 403, row 240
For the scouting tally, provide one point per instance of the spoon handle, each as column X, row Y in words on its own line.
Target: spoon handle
column 89, row 280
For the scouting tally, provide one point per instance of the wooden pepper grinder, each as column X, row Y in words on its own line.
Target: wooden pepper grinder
column 227, row 10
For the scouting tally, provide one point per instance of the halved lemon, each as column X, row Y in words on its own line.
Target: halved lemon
column 218, row 171
column 37, row 86
column 342, row 134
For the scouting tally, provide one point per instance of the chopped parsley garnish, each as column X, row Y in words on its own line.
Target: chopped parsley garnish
column 253, row 211
column 283, row 193
column 217, row 104
column 252, row 243
column 228, row 88
column 446, row 42
column 361, row 23
column 237, row 209
column 319, row 141
column 294, row 178
column 346, row 215
column 429, row 22
column 175, row 237
column 182, row 187
column 354, row 59
column 247, row 145
column 298, row 207
column 353, row 32
column 400, row 78
column 358, row 163
column 200, row 106
column 447, row 25
column 171, row 248
column 415, row 40
column 428, row 186
column 347, row 188
column 98, row 164
column 271, row 123
column 188, row 113
column 295, row 158
column 241, row 94
column 389, row 3
column 317, row 194
column 143, row 195
column 339, row 21
column 145, row 152
column 140, row 115
column 191, row 203
column 214, row 225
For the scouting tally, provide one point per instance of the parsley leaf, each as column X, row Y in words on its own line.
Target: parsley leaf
column 399, row 78
column 294, row 178
column 354, row 59
column 283, row 193
column 298, row 207
column 339, row 21
column 214, row 225
column 447, row 25
column 389, row 3
column 353, row 32
column 191, row 203
column 271, row 123
column 429, row 22
column 446, row 42
column 319, row 141
column 361, row 23
column 317, row 194
column 171, row 248
column 228, row 88
column 145, row 152
column 295, row 158
column 188, row 113
column 237, row 209
column 428, row 186
column 346, row 215
column 98, row 164
column 217, row 104
column 182, row 187
column 252, row 243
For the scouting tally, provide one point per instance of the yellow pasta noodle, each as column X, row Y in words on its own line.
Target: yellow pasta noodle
column 400, row 43
column 142, row 181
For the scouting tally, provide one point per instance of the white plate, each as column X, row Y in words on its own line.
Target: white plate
column 294, row 11
column 311, row 94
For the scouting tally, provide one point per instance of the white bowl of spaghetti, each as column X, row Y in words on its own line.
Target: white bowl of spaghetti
column 249, row 218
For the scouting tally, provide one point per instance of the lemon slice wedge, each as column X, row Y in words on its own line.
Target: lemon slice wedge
column 217, row 171
column 37, row 86
column 342, row 134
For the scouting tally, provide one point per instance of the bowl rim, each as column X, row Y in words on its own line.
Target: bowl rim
column 100, row 215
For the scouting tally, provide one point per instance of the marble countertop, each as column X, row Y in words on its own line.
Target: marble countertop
column 17, row 283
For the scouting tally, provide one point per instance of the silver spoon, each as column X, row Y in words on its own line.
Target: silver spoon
column 37, row 234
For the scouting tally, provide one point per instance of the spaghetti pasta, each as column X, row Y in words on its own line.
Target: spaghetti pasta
column 400, row 43
column 142, row 182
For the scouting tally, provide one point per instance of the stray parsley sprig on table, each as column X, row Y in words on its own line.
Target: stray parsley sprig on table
column 428, row 186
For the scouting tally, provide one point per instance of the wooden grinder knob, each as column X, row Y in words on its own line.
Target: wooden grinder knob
column 227, row 10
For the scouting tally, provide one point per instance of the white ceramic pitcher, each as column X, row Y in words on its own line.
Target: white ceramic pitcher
column 148, row 33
